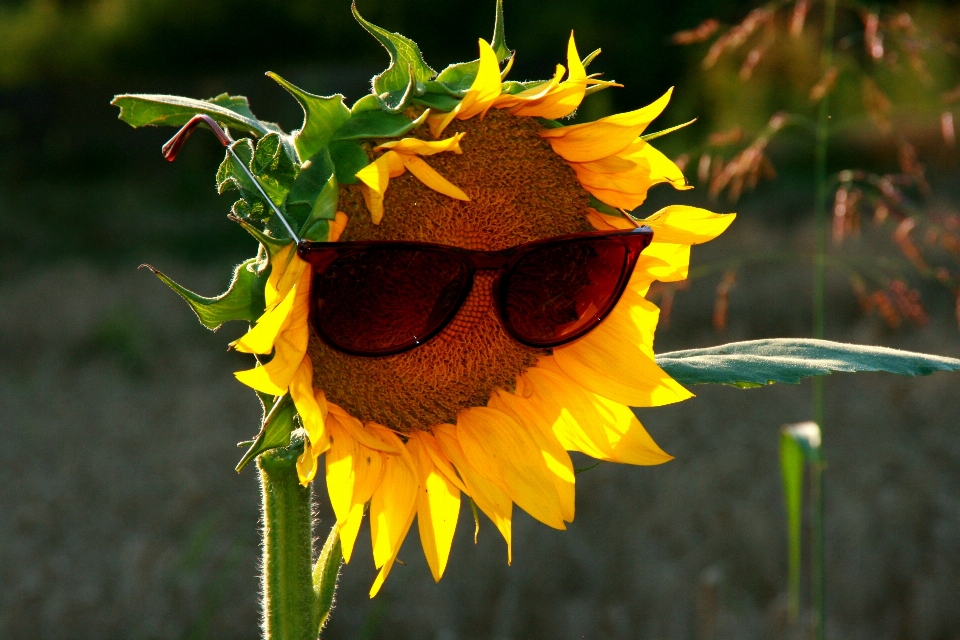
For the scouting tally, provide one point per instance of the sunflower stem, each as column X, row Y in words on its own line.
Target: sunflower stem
column 288, row 595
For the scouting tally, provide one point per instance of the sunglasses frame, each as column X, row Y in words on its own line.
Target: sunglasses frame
column 321, row 255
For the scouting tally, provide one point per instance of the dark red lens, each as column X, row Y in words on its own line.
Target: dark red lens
column 377, row 301
column 558, row 292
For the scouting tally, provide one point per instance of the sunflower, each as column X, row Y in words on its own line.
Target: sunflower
column 473, row 161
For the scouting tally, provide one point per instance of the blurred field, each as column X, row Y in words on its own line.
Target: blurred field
column 120, row 513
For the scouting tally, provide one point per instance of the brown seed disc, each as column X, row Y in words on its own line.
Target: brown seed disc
column 520, row 191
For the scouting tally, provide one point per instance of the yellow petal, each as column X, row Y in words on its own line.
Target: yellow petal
column 510, row 457
column 368, row 437
column 633, row 321
column 392, row 507
column 368, row 473
column 488, row 496
column 664, row 261
column 388, row 565
column 416, row 146
column 337, row 226
column 440, row 460
column 604, row 222
column 628, row 189
column 680, row 224
column 603, row 363
column 428, row 176
column 311, row 406
column 486, row 86
column 290, row 346
column 261, row 337
column 586, row 422
column 605, row 137
column 374, row 180
column 285, row 271
column 554, row 455
column 567, row 96
column 340, row 469
column 306, row 466
column 438, row 507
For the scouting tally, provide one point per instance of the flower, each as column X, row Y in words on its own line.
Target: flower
column 471, row 412
column 504, row 441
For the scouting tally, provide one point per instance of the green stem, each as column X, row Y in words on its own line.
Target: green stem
column 288, row 596
column 819, row 315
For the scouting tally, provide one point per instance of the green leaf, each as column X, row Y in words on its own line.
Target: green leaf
column 139, row 110
column 377, row 124
column 348, row 158
column 791, row 468
column 407, row 71
column 243, row 299
column 273, row 167
column 368, row 102
column 440, row 102
column 760, row 362
column 271, row 244
column 322, row 116
column 499, row 43
column 232, row 177
column 275, row 431
column 325, row 575
column 312, row 201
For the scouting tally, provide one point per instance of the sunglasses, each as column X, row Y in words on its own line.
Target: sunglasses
column 384, row 298
column 374, row 298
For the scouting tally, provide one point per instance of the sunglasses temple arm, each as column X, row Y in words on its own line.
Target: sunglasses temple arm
column 172, row 148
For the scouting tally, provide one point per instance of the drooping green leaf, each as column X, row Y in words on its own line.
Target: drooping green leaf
column 760, row 362
column 322, row 116
column 377, row 124
column 243, row 299
column 326, row 572
column 438, row 101
column 312, row 201
column 139, row 110
column 348, row 158
column 407, row 72
column 275, row 431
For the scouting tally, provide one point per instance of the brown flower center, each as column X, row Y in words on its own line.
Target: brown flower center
column 520, row 191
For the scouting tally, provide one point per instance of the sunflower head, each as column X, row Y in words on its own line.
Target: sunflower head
column 469, row 159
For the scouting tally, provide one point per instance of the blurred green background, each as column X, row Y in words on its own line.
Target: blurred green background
column 120, row 513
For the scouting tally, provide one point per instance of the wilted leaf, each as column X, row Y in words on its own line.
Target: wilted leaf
column 139, row 110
